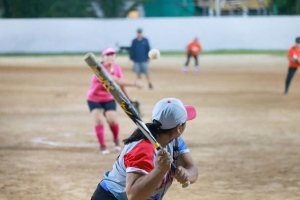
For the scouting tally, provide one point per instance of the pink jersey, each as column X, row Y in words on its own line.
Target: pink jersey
column 97, row 92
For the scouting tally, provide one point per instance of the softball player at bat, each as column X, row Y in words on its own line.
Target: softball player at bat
column 294, row 58
column 142, row 172
column 102, row 105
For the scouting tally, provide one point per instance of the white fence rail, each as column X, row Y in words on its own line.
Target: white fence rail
column 166, row 34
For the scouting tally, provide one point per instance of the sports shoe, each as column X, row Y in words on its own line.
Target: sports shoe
column 118, row 148
column 184, row 69
column 104, row 150
column 150, row 86
column 117, row 145
column 196, row 69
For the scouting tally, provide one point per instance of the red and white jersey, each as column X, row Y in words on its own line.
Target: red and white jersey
column 140, row 156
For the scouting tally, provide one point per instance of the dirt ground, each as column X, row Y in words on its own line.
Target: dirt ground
column 245, row 140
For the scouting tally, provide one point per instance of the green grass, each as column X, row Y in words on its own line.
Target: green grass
column 44, row 54
column 226, row 52
column 216, row 52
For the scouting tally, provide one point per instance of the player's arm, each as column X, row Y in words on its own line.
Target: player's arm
column 147, row 48
column 126, row 93
column 291, row 58
column 132, row 50
column 141, row 186
column 294, row 60
column 186, row 169
column 187, row 48
column 125, row 83
column 148, row 45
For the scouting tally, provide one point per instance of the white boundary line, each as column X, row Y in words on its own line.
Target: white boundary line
column 43, row 140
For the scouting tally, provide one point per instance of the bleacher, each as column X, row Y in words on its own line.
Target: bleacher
column 236, row 7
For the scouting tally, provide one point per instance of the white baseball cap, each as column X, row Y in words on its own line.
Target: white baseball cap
column 170, row 112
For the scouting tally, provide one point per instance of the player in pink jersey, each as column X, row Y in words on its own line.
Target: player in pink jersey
column 102, row 104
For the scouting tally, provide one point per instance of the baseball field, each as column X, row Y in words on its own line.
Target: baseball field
column 245, row 139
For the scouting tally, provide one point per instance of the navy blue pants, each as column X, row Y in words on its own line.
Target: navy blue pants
column 188, row 59
column 289, row 78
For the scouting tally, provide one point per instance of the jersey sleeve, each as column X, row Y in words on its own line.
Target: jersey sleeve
column 182, row 147
column 119, row 72
column 188, row 47
column 140, row 159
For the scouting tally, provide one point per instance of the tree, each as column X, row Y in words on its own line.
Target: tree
column 290, row 7
column 69, row 8
column 46, row 8
column 118, row 8
column 298, row 7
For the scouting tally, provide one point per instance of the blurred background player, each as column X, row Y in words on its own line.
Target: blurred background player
column 102, row 104
column 142, row 172
column 139, row 55
column 294, row 58
column 192, row 50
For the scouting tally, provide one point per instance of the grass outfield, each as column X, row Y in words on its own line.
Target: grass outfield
column 216, row 52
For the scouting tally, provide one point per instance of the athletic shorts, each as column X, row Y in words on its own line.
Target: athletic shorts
column 141, row 68
column 102, row 193
column 110, row 105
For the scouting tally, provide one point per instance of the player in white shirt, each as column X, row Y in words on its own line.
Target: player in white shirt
column 142, row 172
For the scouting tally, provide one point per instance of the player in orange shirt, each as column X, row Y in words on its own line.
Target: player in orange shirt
column 294, row 58
column 193, row 49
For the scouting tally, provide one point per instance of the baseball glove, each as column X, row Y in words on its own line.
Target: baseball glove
column 136, row 105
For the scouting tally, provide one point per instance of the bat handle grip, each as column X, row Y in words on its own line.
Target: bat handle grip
column 173, row 167
column 184, row 185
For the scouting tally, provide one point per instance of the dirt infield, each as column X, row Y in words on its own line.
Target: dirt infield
column 245, row 141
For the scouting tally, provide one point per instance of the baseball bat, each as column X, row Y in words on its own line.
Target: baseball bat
column 112, row 87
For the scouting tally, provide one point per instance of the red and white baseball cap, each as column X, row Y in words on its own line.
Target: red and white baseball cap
column 108, row 51
column 170, row 112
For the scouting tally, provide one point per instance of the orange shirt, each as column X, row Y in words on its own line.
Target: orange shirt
column 194, row 47
column 294, row 53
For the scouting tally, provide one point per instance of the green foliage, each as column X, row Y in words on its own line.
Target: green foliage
column 118, row 8
column 164, row 53
column 287, row 7
column 298, row 7
column 65, row 8
column 112, row 8
column 69, row 8
column 46, row 8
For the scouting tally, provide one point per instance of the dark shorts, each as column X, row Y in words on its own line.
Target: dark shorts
column 102, row 194
column 110, row 105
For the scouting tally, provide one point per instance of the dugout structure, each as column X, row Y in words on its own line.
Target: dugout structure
column 234, row 7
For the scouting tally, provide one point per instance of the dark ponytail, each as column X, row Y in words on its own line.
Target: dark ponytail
column 154, row 128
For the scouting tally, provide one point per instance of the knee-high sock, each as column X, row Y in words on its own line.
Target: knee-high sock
column 100, row 134
column 115, row 130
